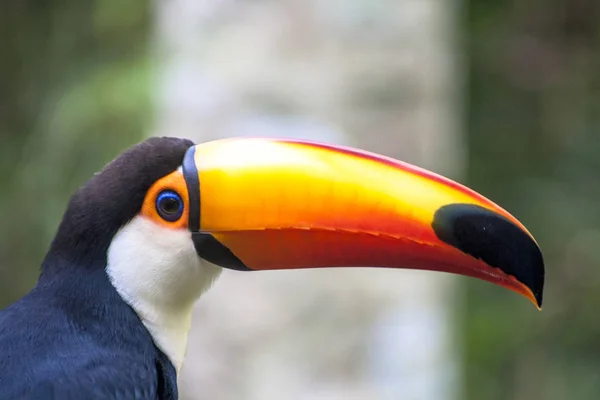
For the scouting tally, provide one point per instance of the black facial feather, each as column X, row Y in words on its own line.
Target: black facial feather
column 111, row 198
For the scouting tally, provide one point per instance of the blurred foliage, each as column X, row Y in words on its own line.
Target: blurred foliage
column 74, row 91
column 534, row 137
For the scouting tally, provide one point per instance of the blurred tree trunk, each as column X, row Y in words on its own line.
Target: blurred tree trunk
column 380, row 75
column 73, row 93
column 534, row 123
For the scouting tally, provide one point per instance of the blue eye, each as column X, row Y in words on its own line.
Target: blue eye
column 169, row 205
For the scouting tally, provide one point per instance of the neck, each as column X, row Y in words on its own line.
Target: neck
column 91, row 303
column 157, row 271
column 169, row 329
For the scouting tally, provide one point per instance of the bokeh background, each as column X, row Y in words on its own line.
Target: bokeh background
column 503, row 96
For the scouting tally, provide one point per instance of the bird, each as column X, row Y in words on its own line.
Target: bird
column 144, row 238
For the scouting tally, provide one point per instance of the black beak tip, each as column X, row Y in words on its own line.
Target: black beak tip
column 497, row 241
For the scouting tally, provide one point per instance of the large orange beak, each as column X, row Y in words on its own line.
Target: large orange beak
column 265, row 204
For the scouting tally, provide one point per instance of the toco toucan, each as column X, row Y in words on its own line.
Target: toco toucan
column 145, row 237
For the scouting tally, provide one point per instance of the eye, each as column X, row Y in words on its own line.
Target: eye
column 169, row 205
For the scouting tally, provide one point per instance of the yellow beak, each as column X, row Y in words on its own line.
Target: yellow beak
column 264, row 204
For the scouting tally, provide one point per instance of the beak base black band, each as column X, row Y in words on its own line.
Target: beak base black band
column 206, row 245
column 215, row 252
column 190, row 174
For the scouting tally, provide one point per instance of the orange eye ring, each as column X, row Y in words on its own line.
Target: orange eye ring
column 166, row 202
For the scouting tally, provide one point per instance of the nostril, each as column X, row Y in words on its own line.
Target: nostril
column 497, row 241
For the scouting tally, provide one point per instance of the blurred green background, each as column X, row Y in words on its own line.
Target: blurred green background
column 76, row 88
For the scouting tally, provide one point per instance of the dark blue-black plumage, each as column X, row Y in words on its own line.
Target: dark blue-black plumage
column 72, row 336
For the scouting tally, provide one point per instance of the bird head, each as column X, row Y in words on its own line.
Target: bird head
column 166, row 216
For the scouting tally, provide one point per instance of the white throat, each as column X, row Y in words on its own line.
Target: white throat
column 157, row 272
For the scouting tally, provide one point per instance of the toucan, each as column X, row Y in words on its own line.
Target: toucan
column 142, row 240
